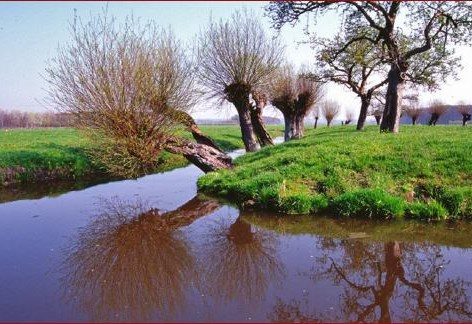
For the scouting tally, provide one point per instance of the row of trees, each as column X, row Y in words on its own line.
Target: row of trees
column 19, row 119
column 137, row 83
column 392, row 43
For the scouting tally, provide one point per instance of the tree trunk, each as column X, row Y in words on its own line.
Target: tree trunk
column 393, row 268
column 377, row 119
column 297, row 126
column 316, row 122
column 263, row 136
column 393, row 101
column 247, row 129
column 413, row 120
column 288, row 132
column 205, row 157
column 328, row 122
column 300, row 126
column 433, row 120
column 365, row 103
column 465, row 119
column 238, row 95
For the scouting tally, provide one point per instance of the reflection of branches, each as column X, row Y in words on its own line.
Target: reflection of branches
column 241, row 262
column 426, row 298
column 129, row 262
column 435, row 296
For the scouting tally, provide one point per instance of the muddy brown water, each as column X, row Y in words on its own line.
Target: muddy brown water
column 151, row 249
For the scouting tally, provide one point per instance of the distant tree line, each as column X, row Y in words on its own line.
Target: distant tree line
column 19, row 119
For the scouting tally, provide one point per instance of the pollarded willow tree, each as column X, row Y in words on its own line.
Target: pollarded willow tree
column 294, row 95
column 330, row 109
column 466, row 112
column 424, row 38
column 436, row 108
column 132, row 85
column 236, row 59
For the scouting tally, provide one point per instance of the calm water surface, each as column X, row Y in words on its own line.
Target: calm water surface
column 152, row 250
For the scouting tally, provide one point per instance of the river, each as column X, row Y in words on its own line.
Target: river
column 151, row 249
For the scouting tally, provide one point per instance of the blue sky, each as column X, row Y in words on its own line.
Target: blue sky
column 31, row 31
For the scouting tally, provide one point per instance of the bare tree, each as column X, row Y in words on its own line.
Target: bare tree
column 237, row 58
column 465, row 111
column 294, row 95
column 349, row 117
column 132, row 85
column 436, row 109
column 330, row 109
column 412, row 109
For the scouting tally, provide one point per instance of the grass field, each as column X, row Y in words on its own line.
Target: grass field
column 58, row 153
column 423, row 172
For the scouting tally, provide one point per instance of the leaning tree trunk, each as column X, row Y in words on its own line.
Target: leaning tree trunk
column 263, row 136
column 238, row 95
column 365, row 103
column 197, row 134
column 393, row 101
column 205, row 157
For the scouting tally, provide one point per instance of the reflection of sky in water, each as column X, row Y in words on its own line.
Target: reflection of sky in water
column 261, row 276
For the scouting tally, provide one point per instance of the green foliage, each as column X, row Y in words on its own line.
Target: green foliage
column 330, row 162
column 431, row 211
column 368, row 203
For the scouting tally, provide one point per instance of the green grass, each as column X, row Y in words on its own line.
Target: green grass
column 357, row 174
column 28, row 155
column 60, row 151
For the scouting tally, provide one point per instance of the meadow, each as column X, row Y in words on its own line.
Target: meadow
column 423, row 173
column 33, row 155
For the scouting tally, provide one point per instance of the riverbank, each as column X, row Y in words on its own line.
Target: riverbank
column 39, row 155
column 422, row 173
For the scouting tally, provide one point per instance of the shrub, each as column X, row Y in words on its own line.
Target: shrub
column 431, row 211
column 368, row 203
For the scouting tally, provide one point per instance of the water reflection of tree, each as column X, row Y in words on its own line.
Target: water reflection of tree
column 373, row 276
column 130, row 262
column 241, row 261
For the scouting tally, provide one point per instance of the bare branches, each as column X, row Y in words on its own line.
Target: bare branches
column 236, row 52
column 295, row 95
column 330, row 109
column 126, row 80
column 437, row 109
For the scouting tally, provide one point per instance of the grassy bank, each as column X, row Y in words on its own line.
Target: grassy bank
column 29, row 155
column 423, row 172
